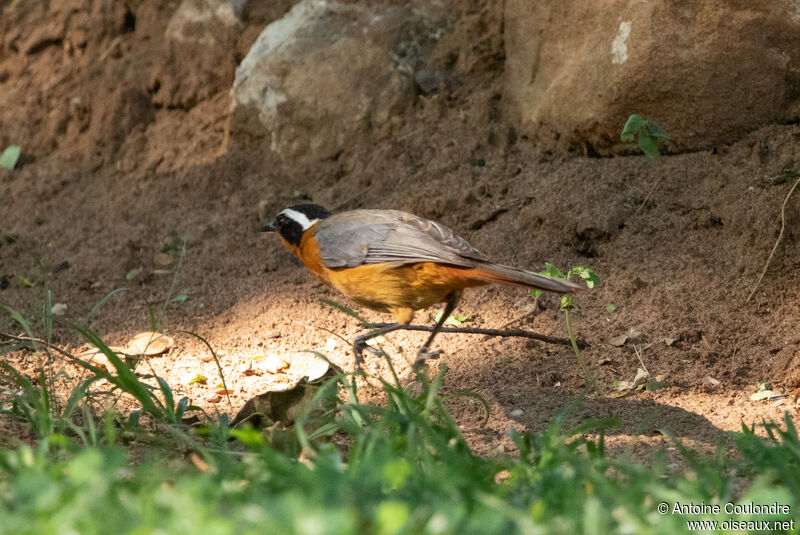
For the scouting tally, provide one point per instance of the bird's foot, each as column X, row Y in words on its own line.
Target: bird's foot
column 358, row 350
column 423, row 355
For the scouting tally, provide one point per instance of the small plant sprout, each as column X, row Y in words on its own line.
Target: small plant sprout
column 10, row 157
column 646, row 133
column 568, row 304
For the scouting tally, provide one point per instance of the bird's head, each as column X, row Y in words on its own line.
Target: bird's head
column 292, row 222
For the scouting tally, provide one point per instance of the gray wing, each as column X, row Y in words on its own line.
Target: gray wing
column 359, row 237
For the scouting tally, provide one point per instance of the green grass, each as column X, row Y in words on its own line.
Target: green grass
column 402, row 467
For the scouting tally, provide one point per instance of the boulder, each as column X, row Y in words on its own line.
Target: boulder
column 199, row 53
column 328, row 71
column 708, row 71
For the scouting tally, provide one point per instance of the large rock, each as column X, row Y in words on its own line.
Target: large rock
column 328, row 71
column 708, row 71
column 199, row 54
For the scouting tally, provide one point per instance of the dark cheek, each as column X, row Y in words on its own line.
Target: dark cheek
column 292, row 233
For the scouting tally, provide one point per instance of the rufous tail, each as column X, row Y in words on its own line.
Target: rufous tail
column 520, row 277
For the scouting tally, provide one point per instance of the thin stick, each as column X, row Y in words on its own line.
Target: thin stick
column 490, row 332
column 337, row 335
column 639, row 356
column 41, row 342
column 774, row 247
column 647, row 198
column 591, row 382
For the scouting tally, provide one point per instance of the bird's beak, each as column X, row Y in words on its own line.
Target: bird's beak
column 269, row 227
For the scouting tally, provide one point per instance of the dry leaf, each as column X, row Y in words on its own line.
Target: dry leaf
column 310, row 367
column 97, row 358
column 274, row 364
column 163, row 260
column 149, row 343
column 710, row 382
column 641, row 377
column 198, row 461
column 618, row 341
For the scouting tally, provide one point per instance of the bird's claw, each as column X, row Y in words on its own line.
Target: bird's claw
column 358, row 350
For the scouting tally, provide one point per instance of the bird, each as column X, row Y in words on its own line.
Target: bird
column 395, row 262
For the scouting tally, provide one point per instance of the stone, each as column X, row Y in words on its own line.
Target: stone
column 328, row 71
column 199, row 54
column 708, row 71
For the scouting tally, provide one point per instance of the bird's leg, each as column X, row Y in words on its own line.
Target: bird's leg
column 360, row 343
column 423, row 354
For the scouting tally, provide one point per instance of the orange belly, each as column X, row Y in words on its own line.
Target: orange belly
column 401, row 290
column 385, row 288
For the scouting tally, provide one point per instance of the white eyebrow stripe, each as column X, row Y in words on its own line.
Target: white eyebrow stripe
column 300, row 218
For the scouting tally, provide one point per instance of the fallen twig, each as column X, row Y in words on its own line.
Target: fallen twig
column 490, row 332
column 647, row 198
column 774, row 247
column 41, row 342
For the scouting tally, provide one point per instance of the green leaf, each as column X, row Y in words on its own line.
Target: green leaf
column 552, row 271
column 10, row 156
column 132, row 273
column 654, row 386
column 591, row 277
column 645, row 132
column 535, row 293
column 632, row 126
column 199, row 379
column 178, row 298
column 611, row 308
column 587, row 274
column 649, row 145
column 248, row 436
column 24, row 282
column 453, row 320
column 395, row 473
column 392, row 517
